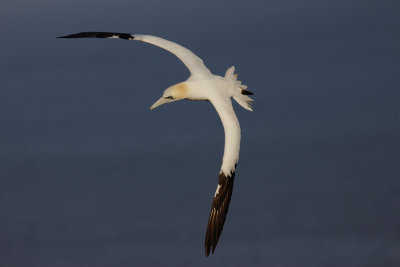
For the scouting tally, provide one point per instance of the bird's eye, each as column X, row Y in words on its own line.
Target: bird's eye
column 169, row 97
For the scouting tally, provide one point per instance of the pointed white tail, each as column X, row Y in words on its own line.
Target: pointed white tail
column 241, row 98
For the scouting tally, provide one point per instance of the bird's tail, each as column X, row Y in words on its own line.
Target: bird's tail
column 242, row 95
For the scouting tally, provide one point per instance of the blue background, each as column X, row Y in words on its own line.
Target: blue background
column 90, row 177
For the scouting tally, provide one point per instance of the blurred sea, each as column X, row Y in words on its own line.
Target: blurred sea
column 90, row 177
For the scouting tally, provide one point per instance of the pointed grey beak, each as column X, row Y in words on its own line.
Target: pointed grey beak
column 161, row 101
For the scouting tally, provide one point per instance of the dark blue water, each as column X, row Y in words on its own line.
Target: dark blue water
column 90, row 177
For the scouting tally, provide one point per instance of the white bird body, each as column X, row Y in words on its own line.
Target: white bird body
column 218, row 90
column 202, row 85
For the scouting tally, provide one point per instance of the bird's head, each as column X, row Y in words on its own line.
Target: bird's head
column 173, row 93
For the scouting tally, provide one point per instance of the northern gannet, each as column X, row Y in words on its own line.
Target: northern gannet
column 202, row 85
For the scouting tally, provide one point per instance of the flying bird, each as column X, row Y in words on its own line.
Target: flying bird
column 202, row 85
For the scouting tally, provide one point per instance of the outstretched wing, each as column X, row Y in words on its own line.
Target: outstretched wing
column 222, row 196
column 191, row 61
column 219, row 209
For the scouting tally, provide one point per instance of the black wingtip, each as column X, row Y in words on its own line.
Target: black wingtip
column 76, row 35
column 245, row 92
column 125, row 36
column 219, row 210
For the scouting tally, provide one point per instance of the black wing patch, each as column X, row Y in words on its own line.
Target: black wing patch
column 125, row 36
column 219, row 209
column 246, row 92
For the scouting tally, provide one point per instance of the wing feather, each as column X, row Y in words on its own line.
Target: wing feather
column 222, row 196
column 219, row 210
column 191, row 61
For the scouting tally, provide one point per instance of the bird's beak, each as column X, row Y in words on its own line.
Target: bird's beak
column 161, row 101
